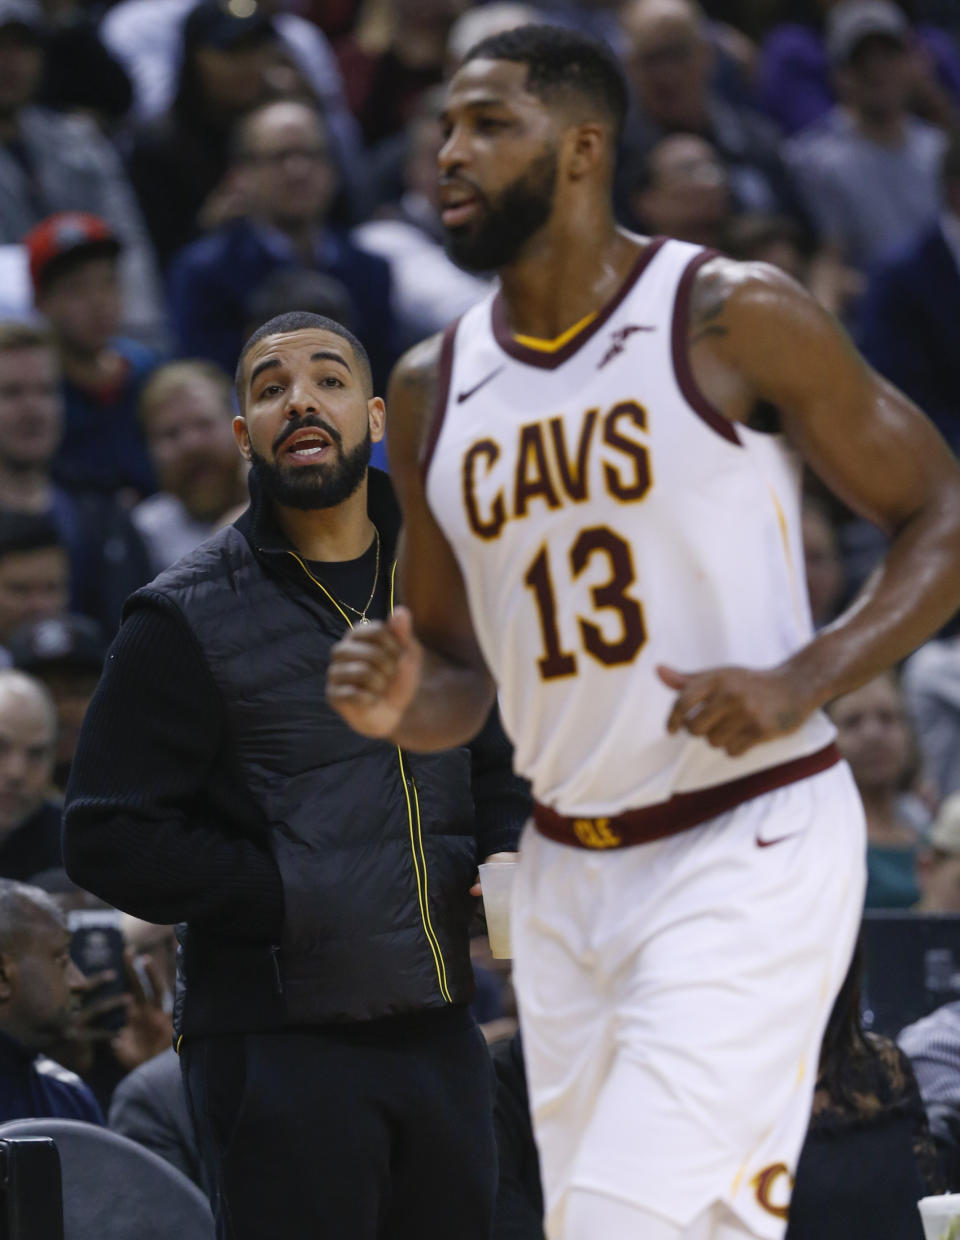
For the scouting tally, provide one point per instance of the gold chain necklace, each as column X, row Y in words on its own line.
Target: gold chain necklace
column 373, row 589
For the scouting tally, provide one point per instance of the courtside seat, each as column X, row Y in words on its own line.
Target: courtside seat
column 114, row 1189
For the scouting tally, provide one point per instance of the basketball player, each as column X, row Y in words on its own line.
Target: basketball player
column 599, row 473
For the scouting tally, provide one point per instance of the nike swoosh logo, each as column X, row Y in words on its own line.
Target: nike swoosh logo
column 769, row 843
column 462, row 396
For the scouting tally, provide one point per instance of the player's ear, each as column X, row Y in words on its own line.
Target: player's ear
column 377, row 413
column 586, row 149
column 242, row 436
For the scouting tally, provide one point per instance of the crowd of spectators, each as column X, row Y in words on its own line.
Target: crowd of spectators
column 175, row 172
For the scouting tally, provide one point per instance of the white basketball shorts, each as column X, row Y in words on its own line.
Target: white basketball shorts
column 673, row 997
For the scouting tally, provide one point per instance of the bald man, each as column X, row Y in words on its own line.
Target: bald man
column 39, row 987
column 29, row 819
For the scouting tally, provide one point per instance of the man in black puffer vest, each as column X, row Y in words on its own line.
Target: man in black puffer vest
column 339, row 1087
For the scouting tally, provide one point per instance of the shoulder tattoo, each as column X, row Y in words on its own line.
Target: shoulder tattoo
column 712, row 290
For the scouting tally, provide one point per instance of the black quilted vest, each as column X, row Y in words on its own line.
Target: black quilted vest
column 375, row 846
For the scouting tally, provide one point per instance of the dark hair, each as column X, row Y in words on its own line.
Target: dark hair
column 302, row 320
column 76, row 257
column 189, row 101
column 845, row 1039
column 27, row 531
column 560, row 61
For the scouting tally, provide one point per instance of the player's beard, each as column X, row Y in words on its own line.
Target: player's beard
column 507, row 223
column 310, row 487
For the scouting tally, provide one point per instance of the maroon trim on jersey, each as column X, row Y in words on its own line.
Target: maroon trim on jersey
column 681, row 353
column 681, row 812
column 550, row 361
column 444, row 373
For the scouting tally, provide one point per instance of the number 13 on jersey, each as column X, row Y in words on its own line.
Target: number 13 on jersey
column 612, row 595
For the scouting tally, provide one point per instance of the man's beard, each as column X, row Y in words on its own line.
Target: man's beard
column 506, row 225
column 310, row 487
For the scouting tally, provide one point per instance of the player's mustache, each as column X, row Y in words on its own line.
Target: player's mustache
column 310, row 420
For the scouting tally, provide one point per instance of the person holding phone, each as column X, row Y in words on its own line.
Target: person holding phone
column 39, row 987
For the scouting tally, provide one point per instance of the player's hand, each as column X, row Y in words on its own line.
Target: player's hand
column 734, row 708
column 374, row 672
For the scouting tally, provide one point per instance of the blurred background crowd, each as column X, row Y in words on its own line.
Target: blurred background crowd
column 174, row 173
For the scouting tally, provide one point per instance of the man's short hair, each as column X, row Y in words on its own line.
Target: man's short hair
column 302, row 320
column 23, row 909
column 16, row 336
column 561, row 62
column 27, row 531
column 174, row 377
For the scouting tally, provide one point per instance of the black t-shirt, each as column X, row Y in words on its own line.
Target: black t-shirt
column 350, row 582
column 34, row 845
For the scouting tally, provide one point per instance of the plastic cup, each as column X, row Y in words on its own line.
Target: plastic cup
column 940, row 1216
column 496, row 882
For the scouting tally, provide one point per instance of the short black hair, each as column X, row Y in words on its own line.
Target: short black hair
column 298, row 321
column 560, row 61
column 27, row 531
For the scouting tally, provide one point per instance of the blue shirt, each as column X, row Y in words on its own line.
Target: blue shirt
column 103, row 448
column 213, row 280
column 33, row 1086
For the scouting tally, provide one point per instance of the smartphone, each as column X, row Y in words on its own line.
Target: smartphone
column 31, row 1198
column 96, row 944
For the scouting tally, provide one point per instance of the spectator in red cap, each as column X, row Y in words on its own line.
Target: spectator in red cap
column 53, row 162
column 74, row 266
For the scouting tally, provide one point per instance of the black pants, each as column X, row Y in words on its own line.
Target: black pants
column 313, row 1135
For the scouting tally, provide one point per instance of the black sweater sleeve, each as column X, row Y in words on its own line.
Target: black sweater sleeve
column 156, row 820
column 502, row 798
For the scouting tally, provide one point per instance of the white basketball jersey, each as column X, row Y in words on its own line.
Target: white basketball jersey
column 606, row 519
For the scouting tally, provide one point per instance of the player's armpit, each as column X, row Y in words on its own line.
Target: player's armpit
column 757, row 336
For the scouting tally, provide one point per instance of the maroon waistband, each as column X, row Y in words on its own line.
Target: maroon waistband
column 683, row 811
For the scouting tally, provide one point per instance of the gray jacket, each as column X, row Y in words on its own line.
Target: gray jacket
column 74, row 168
column 150, row 1107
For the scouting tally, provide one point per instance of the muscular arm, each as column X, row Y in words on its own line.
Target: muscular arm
column 376, row 667
column 756, row 337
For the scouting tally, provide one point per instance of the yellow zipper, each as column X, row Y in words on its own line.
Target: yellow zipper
column 416, row 836
column 422, row 894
